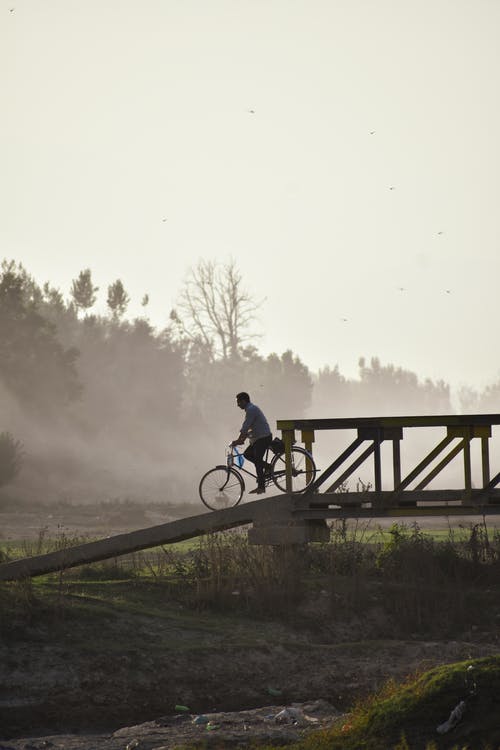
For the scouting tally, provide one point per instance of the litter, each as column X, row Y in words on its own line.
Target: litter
column 455, row 717
column 292, row 715
column 275, row 692
column 201, row 719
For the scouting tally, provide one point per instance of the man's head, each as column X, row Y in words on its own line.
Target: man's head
column 242, row 399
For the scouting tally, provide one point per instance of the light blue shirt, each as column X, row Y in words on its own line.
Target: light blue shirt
column 255, row 425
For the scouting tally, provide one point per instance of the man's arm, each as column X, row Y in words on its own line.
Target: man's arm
column 245, row 428
column 239, row 440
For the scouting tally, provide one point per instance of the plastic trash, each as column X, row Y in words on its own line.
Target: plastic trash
column 293, row 715
column 239, row 458
column 274, row 691
column 201, row 719
column 455, row 717
column 289, row 716
column 211, row 726
column 132, row 745
column 182, row 709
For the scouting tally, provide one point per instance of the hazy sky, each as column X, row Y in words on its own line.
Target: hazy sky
column 345, row 154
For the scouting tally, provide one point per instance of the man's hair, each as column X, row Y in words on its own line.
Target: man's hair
column 243, row 396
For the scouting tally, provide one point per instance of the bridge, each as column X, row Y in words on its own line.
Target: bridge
column 287, row 519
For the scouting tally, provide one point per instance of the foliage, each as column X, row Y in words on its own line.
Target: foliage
column 380, row 388
column 33, row 364
column 224, row 577
column 83, row 290
column 125, row 395
column 405, row 547
column 11, row 456
column 282, row 385
column 118, row 299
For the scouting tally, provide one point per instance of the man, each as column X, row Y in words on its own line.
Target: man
column 256, row 429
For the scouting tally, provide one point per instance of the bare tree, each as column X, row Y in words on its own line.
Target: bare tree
column 214, row 310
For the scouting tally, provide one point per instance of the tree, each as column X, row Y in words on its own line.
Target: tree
column 11, row 455
column 83, row 290
column 214, row 311
column 487, row 400
column 33, row 363
column 118, row 299
column 386, row 388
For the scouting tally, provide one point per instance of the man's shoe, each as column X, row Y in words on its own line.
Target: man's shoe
column 257, row 491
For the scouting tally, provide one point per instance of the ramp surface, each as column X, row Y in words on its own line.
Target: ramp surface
column 267, row 509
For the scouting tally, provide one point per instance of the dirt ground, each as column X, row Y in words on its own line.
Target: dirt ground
column 53, row 694
column 50, row 693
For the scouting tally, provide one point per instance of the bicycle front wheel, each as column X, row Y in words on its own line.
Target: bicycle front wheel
column 303, row 470
column 221, row 488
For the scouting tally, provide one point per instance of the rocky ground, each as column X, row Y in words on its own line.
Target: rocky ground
column 276, row 724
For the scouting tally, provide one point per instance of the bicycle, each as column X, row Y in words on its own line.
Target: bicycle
column 224, row 485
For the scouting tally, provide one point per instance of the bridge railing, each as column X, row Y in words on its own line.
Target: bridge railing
column 458, row 433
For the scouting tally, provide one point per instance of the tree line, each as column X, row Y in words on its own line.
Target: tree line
column 104, row 404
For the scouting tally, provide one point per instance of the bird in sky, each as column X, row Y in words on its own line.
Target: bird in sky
column 392, row 187
column 372, row 132
column 344, row 320
column 163, row 219
column 251, row 111
column 401, row 289
column 448, row 291
column 440, row 232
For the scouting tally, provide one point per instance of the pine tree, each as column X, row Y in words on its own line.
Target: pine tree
column 83, row 290
column 118, row 299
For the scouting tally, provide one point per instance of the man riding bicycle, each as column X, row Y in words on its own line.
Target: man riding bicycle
column 256, row 428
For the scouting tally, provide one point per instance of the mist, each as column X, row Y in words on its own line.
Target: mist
column 112, row 409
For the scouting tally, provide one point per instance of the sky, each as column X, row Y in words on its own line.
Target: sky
column 344, row 154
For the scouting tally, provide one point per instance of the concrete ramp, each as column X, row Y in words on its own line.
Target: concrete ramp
column 266, row 510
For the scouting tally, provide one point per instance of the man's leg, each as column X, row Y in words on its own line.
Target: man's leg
column 249, row 454
column 259, row 448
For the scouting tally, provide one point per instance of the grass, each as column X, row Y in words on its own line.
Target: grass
column 406, row 716
column 219, row 592
column 422, row 584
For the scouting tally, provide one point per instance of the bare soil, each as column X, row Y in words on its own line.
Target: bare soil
column 65, row 685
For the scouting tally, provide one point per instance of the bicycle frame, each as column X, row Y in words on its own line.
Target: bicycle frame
column 223, row 485
column 240, row 470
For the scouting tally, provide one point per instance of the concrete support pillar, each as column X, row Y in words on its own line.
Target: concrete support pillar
column 282, row 532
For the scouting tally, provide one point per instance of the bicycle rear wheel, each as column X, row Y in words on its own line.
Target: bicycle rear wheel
column 221, row 487
column 303, row 470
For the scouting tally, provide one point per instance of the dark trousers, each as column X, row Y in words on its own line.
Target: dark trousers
column 255, row 453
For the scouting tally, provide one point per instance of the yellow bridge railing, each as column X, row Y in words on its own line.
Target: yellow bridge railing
column 459, row 431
